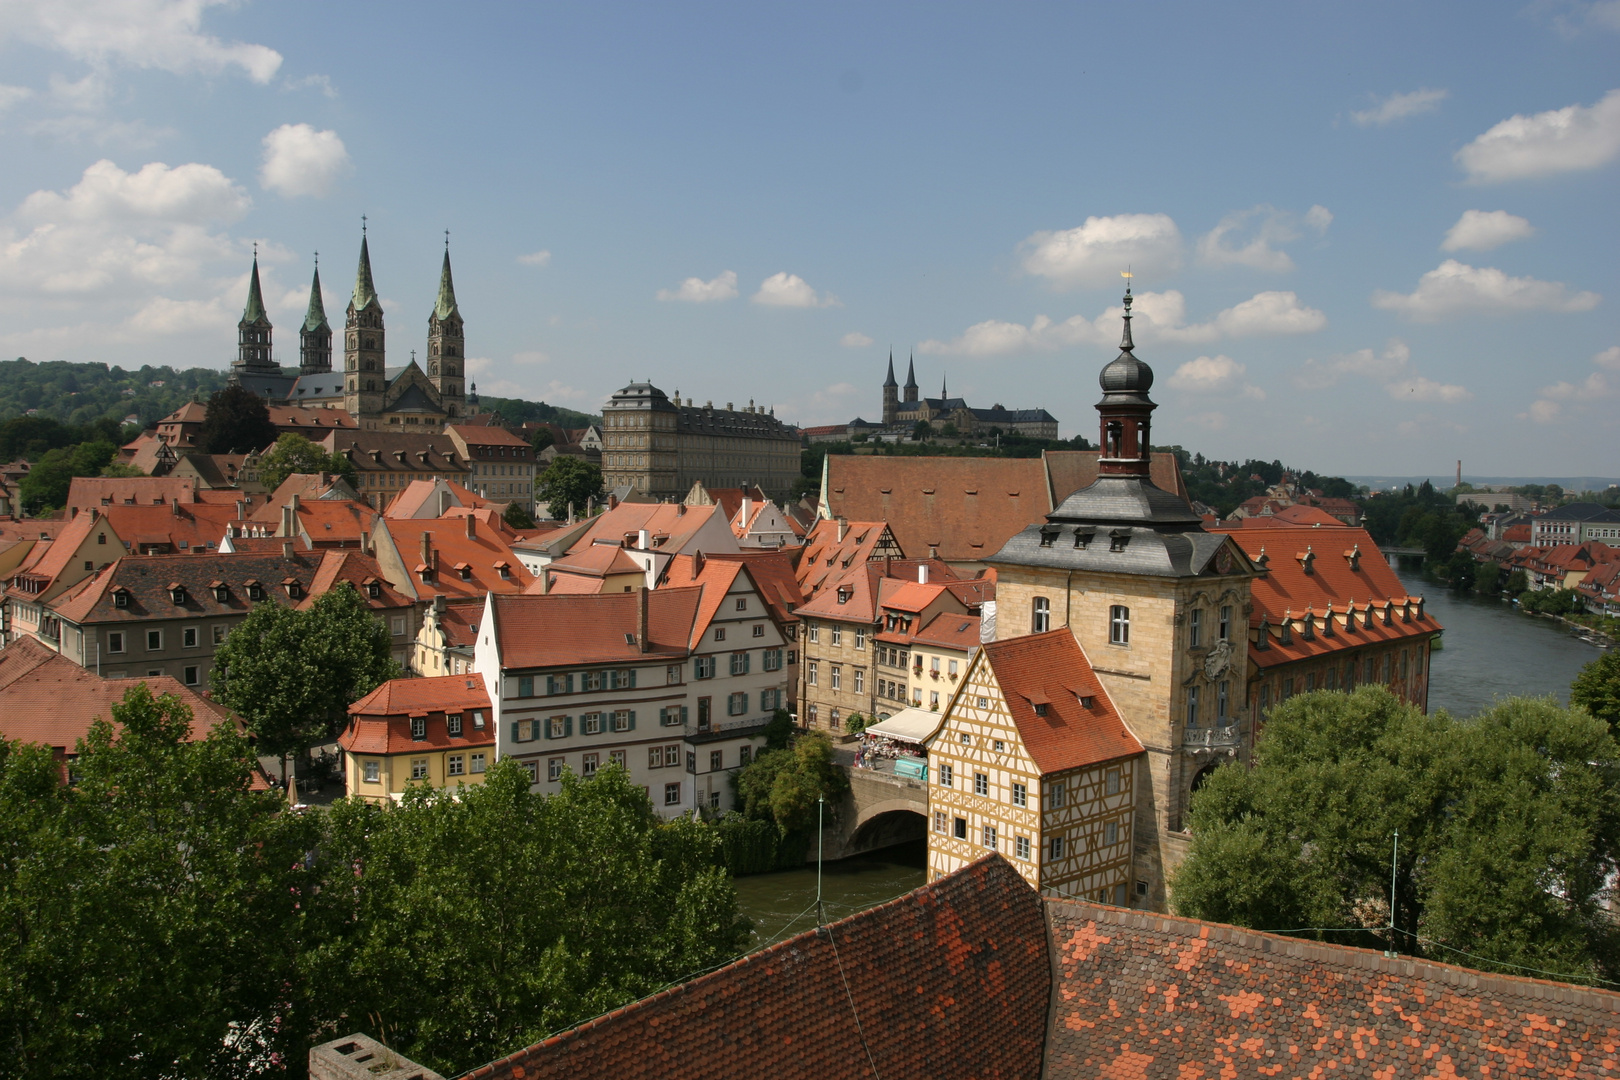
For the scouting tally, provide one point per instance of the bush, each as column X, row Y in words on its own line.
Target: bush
column 756, row 846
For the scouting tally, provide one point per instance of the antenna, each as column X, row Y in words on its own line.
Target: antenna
column 821, row 803
column 1393, row 857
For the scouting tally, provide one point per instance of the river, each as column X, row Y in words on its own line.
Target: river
column 1490, row 651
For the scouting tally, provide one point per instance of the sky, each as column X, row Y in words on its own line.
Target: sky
column 1365, row 238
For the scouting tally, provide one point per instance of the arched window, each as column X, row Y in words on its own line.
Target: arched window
column 1119, row 625
column 1042, row 621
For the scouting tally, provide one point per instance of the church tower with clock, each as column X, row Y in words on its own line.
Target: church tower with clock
column 1160, row 606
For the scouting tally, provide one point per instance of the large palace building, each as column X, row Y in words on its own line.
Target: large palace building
column 658, row 448
column 379, row 397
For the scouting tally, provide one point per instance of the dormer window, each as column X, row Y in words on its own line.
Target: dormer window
column 1264, row 640
column 1287, row 635
column 1118, row 538
column 255, row 590
column 177, row 593
column 418, row 727
column 1049, row 533
column 1086, row 701
column 121, row 598
column 294, row 589
column 1083, row 538
column 374, row 590
column 843, row 594
column 504, row 570
column 1040, row 708
column 465, row 571
column 222, row 591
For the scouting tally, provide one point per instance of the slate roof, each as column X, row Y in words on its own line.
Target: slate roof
column 1143, row 995
column 1051, row 669
column 949, row 982
column 1092, row 547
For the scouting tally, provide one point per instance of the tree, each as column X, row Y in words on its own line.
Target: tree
column 238, row 422
column 1517, row 582
column 148, row 904
column 483, row 921
column 1507, row 828
column 517, row 517
column 540, row 438
column 922, row 432
column 568, row 481
column 292, row 453
column 783, row 785
column 1597, row 689
column 1488, row 578
column 291, row 675
column 47, row 484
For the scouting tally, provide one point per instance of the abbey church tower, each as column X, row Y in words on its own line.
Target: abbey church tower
column 365, row 380
column 447, row 353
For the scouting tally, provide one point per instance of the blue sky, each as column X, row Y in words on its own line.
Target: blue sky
column 1366, row 237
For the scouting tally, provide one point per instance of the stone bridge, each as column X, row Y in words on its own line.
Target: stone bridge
column 880, row 810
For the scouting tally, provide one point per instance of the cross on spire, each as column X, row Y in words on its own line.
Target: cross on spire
column 362, row 224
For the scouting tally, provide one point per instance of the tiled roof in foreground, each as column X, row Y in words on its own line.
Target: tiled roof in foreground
column 950, row 980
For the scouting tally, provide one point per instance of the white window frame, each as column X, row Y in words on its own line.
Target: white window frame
column 1119, row 625
column 371, row 772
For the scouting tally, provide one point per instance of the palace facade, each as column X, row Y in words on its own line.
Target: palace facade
column 657, row 448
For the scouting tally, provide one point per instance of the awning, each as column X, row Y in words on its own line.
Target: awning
column 908, row 725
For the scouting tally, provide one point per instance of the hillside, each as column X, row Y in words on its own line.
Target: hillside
column 85, row 392
column 516, row 411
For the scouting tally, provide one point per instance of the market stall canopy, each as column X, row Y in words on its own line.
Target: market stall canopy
column 908, row 725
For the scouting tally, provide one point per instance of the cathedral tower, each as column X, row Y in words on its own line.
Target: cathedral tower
column 911, row 392
column 363, row 346
column 315, row 336
column 253, row 332
column 891, row 395
column 447, row 352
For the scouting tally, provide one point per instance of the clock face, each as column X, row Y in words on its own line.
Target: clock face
column 1223, row 561
column 1218, row 660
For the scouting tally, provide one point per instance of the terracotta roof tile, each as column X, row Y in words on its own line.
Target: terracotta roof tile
column 88, row 491
column 949, row 630
column 1052, row 668
column 554, row 630
column 448, row 537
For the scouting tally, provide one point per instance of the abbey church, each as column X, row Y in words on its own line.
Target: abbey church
column 379, row 397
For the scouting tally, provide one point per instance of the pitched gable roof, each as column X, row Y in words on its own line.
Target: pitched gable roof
column 1051, row 669
column 949, row 982
column 600, row 628
column 827, row 556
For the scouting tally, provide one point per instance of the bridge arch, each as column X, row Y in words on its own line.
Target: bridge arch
column 886, row 823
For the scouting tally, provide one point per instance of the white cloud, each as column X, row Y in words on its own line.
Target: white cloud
column 1455, row 288
column 1595, row 387
column 1209, row 421
column 1095, row 253
column 1545, row 412
column 854, row 340
column 1399, row 107
column 697, row 291
column 323, row 83
column 1260, row 231
column 162, row 34
column 1211, row 375
column 1157, row 317
column 1608, row 358
column 791, row 290
column 298, row 160
column 1418, row 388
column 535, row 258
column 11, row 95
column 1570, row 139
column 1482, row 230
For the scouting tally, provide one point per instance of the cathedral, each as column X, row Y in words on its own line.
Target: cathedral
column 902, row 411
column 400, row 398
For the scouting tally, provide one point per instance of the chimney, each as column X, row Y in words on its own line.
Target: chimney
column 286, row 549
column 175, row 507
column 641, row 539
column 293, row 502
column 365, row 542
column 697, row 564
column 613, row 501
column 545, row 580
column 641, row 619
column 444, row 501
column 922, row 574
column 427, row 549
column 747, row 510
column 438, row 605
column 241, row 510
column 287, row 517
column 471, row 526
column 843, row 528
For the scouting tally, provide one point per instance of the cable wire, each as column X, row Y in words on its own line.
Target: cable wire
column 852, row 1010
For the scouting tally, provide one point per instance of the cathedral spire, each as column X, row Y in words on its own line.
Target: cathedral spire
column 365, row 293
column 890, row 380
column 316, row 317
column 446, row 304
column 911, row 379
column 254, row 313
column 943, row 392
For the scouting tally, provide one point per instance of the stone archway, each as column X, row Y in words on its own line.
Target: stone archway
column 886, row 824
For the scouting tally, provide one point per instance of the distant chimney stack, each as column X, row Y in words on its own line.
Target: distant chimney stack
column 642, row 539
column 444, row 501
column 241, row 510
column 843, row 528
column 747, row 510
column 427, row 549
column 641, row 620
column 545, row 580
column 472, row 522
column 286, row 549
column 922, row 574
column 293, row 502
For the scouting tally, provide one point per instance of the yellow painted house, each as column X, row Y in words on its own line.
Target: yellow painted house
column 1033, row 760
column 438, row 732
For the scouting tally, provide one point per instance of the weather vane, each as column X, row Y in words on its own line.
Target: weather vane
column 447, row 239
column 362, row 224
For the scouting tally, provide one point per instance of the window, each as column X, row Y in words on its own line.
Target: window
column 1119, row 625
column 940, row 823
column 1195, row 627
column 672, row 794
column 478, row 719
column 526, row 686
column 1111, row 833
column 1056, row 795
column 1111, row 784
column 965, row 739
column 715, row 758
column 837, row 635
column 705, row 710
column 952, row 669
column 115, row 641
column 812, row 634
column 1000, row 746
column 452, row 723
column 832, row 718
column 588, row 769
column 672, row 674
column 860, row 680
column 1220, row 703
column 811, row 671
column 669, row 716
column 759, row 629
column 560, row 727
column 1042, row 621
column 742, row 603
column 745, row 754
column 672, row 754
column 373, row 772
column 478, row 763
column 1192, row 706
column 1020, row 795
column 719, row 633
column 154, row 640
column 455, row 764
column 188, row 637
column 860, row 637
column 946, row 775
column 1225, row 628
column 219, row 634
column 981, row 784
column 562, row 684
column 739, row 663
column 990, row 837
column 703, row 667
column 1054, row 847
column 120, row 598
column 933, row 700
column 737, row 704
column 191, row 675
column 959, row 828
column 1021, row 847
column 419, row 768
column 655, row 757
column 418, row 727
column 624, row 720
column 773, row 660
column 590, row 724
column 837, row 677
column 616, row 757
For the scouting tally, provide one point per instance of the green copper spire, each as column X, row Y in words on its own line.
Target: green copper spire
column 316, row 319
column 446, row 305
column 365, row 293
column 254, row 312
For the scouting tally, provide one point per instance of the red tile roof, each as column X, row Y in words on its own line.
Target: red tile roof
column 1288, row 515
column 949, row 982
column 1142, row 995
column 1068, row 471
column 826, row 558
column 596, row 560
column 1052, row 669
column 380, row 721
column 949, row 630
column 99, row 491
column 773, row 574
column 447, row 537
column 46, row 562
column 675, row 523
column 555, row 630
